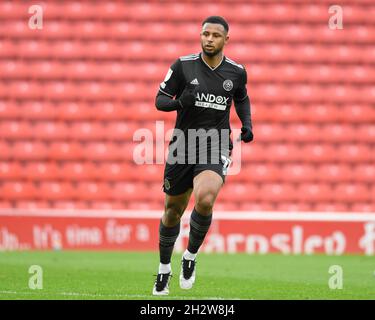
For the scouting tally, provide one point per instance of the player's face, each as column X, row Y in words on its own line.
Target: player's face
column 213, row 38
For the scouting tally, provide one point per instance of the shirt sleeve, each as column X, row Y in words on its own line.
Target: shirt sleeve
column 241, row 92
column 172, row 80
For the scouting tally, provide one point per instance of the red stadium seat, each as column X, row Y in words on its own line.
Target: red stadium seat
column 282, row 152
column 120, row 130
column 115, row 171
column 334, row 173
column 70, row 205
column 88, row 130
column 126, row 30
column 244, row 12
column 32, row 205
column 355, row 153
column 148, row 173
column 253, row 152
column 226, row 206
column 13, row 10
column 5, row 204
column 66, row 49
column 35, row 110
column 17, row 191
column 129, row 151
column 267, row 132
column 285, row 112
column 9, row 110
column 372, row 193
column 5, row 150
column 93, row 191
column 239, row 192
column 127, row 191
column 293, row 206
column 25, row 90
column 50, row 130
column 364, row 173
column 79, row 10
column 29, row 150
column 314, row 192
column 33, row 49
column 299, row 172
column 12, row 69
column 259, row 173
column 58, row 29
column 363, row 207
column 322, row 113
column 277, row 192
column 83, row 70
column 365, row 133
column 256, row 206
column 141, row 205
column 352, row 192
column 77, row 171
column 337, row 133
column 331, row 207
column 100, row 151
column 56, row 191
column 50, row 70
column 10, row 171
column 8, row 49
column 109, row 111
column 76, row 111
column 16, row 130
column 302, row 132
column 105, row 205
column 61, row 151
column 113, row 10
column 318, row 152
column 40, row 171
column 61, row 90
column 357, row 113
column 155, row 192
column 103, row 50
column 90, row 29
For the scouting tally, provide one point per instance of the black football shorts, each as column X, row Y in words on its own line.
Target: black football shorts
column 178, row 178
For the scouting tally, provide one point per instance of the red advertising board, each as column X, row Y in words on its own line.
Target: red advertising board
column 248, row 232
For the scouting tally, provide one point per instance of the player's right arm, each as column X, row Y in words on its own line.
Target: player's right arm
column 171, row 88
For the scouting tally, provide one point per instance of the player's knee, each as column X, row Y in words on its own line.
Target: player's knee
column 172, row 214
column 205, row 202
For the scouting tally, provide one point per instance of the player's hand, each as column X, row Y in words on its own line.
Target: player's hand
column 188, row 96
column 246, row 134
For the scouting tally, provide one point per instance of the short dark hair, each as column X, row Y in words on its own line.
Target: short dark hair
column 218, row 20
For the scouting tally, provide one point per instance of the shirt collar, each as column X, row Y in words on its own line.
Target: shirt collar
column 219, row 64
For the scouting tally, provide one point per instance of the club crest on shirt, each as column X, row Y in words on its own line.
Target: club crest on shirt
column 228, row 85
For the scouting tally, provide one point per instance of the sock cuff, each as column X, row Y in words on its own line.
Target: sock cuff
column 201, row 219
column 169, row 231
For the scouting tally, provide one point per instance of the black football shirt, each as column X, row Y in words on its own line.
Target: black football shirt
column 217, row 88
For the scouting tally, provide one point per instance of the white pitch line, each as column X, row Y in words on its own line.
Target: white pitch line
column 80, row 294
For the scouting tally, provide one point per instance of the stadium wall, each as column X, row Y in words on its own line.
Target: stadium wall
column 231, row 232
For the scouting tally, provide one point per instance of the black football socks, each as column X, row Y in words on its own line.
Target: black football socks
column 199, row 225
column 167, row 239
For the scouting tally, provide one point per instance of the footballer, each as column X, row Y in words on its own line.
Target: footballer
column 201, row 88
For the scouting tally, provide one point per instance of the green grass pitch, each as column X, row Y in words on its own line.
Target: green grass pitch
column 129, row 275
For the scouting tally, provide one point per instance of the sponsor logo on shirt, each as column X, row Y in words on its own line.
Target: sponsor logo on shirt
column 211, row 101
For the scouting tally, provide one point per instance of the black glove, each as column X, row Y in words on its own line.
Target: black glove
column 188, row 96
column 246, row 134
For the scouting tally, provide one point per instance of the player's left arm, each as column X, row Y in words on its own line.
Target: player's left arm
column 243, row 109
